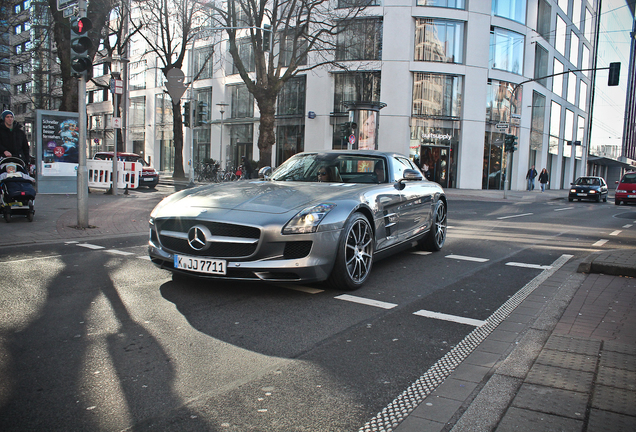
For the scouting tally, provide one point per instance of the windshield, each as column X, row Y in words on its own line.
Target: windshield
column 586, row 181
column 629, row 178
column 332, row 168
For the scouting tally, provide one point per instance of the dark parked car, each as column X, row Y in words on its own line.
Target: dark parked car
column 320, row 216
column 149, row 176
column 590, row 188
column 626, row 189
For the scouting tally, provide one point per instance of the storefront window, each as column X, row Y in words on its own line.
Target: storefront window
column 439, row 40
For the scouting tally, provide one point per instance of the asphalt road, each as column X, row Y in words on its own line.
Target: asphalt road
column 94, row 337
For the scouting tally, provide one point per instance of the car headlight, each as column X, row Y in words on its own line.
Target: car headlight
column 621, row 190
column 592, row 191
column 573, row 190
column 307, row 220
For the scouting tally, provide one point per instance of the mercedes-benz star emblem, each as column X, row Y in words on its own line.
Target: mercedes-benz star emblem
column 197, row 237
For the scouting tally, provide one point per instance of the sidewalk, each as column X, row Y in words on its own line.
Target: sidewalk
column 563, row 360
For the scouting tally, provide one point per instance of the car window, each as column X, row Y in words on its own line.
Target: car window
column 629, row 178
column 399, row 165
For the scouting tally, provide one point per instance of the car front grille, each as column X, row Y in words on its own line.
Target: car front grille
column 297, row 249
column 225, row 249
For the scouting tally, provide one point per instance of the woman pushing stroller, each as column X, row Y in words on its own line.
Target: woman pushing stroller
column 13, row 140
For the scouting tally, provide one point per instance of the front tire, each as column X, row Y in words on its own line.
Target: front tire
column 436, row 237
column 354, row 258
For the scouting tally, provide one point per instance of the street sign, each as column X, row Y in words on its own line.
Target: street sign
column 116, row 86
column 503, row 125
column 116, row 122
column 64, row 4
column 175, row 85
column 352, row 139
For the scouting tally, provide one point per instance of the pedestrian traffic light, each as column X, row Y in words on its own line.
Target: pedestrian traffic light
column 186, row 114
column 510, row 143
column 267, row 37
column 202, row 114
column 81, row 62
column 614, row 74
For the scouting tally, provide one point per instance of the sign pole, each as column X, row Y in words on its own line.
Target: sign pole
column 82, row 169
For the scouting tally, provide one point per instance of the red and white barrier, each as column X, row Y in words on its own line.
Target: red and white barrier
column 100, row 174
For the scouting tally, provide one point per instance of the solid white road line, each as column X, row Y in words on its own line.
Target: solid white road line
column 90, row 246
column 533, row 266
column 446, row 317
column 366, row 301
column 514, row 216
column 600, row 242
column 467, row 258
column 615, row 233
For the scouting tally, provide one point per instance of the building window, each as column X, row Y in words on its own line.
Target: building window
column 287, row 41
column 574, row 50
column 453, row 4
column 360, row 39
column 246, row 54
column 291, row 99
column 290, row 139
column 137, row 111
column 137, row 75
column 512, row 9
column 357, row 3
column 555, row 120
column 439, row 40
column 585, row 60
column 506, row 50
column 571, row 96
column 568, row 132
column 563, row 4
column 583, row 95
column 437, row 95
column 242, row 101
column 203, row 62
column 589, row 32
column 355, row 86
column 557, row 80
column 561, row 31
column 501, row 103
column 538, row 121
column 544, row 17
column 541, row 59
column 576, row 13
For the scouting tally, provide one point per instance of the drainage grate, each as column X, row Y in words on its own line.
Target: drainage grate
column 389, row 418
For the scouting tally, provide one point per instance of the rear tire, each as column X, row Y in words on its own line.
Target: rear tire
column 7, row 214
column 617, row 202
column 31, row 211
column 436, row 237
column 354, row 257
column 570, row 199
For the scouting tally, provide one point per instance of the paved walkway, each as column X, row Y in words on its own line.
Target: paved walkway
column 563, row 359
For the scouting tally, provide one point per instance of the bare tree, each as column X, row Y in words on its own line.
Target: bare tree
column 170, row 26
column 305, row 34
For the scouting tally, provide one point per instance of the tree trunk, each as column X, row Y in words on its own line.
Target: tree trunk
column 177, row 127
column 266, row 137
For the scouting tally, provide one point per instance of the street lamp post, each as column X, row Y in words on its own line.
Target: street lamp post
column 115, row 71
column 221, row 106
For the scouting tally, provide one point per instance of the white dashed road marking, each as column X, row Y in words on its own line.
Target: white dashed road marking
column 118, row 252
column 533, row 266
column 600, row 242
column 453, row 318
column 615, row 233
column 627, row 226
column 144, row 257
column 365, row 301
column 90, row 246
column 467, row 258
column 301, row 288
column 566, row 208
column 514, row 216
column 421, row 253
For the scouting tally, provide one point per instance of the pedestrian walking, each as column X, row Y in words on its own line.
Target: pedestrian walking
column 532, row 173
column 544, row 179
column 13, row 140
column 247, row 167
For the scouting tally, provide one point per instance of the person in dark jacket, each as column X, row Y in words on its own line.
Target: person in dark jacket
column 544, row 179
column 247, row 167
column 13, row 140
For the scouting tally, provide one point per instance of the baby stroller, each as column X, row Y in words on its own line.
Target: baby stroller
column 17, row 191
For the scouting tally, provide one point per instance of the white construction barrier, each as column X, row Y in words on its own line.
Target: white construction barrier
column 100, row 174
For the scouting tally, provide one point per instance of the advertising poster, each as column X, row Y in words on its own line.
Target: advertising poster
column 60, row 144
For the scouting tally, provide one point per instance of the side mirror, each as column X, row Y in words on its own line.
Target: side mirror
column 265, row 172
column 409, row 175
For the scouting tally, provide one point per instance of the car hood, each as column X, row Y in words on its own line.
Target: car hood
column 255, row 197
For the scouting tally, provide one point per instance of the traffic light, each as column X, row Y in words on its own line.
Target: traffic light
column 202, row 114
column 81, row 63
column 186, row 114
column 510, row 143
column 267, row 37
column 614, row 74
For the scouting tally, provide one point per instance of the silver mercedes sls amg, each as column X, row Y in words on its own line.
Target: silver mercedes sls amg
column 320, row 216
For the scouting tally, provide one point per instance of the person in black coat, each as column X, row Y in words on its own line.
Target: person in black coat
column 247, row 167
column 13, row 140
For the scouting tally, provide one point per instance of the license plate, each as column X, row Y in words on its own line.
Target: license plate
column 631, row 196
column 581, row 194
column 199, row 265
column 148, row 179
